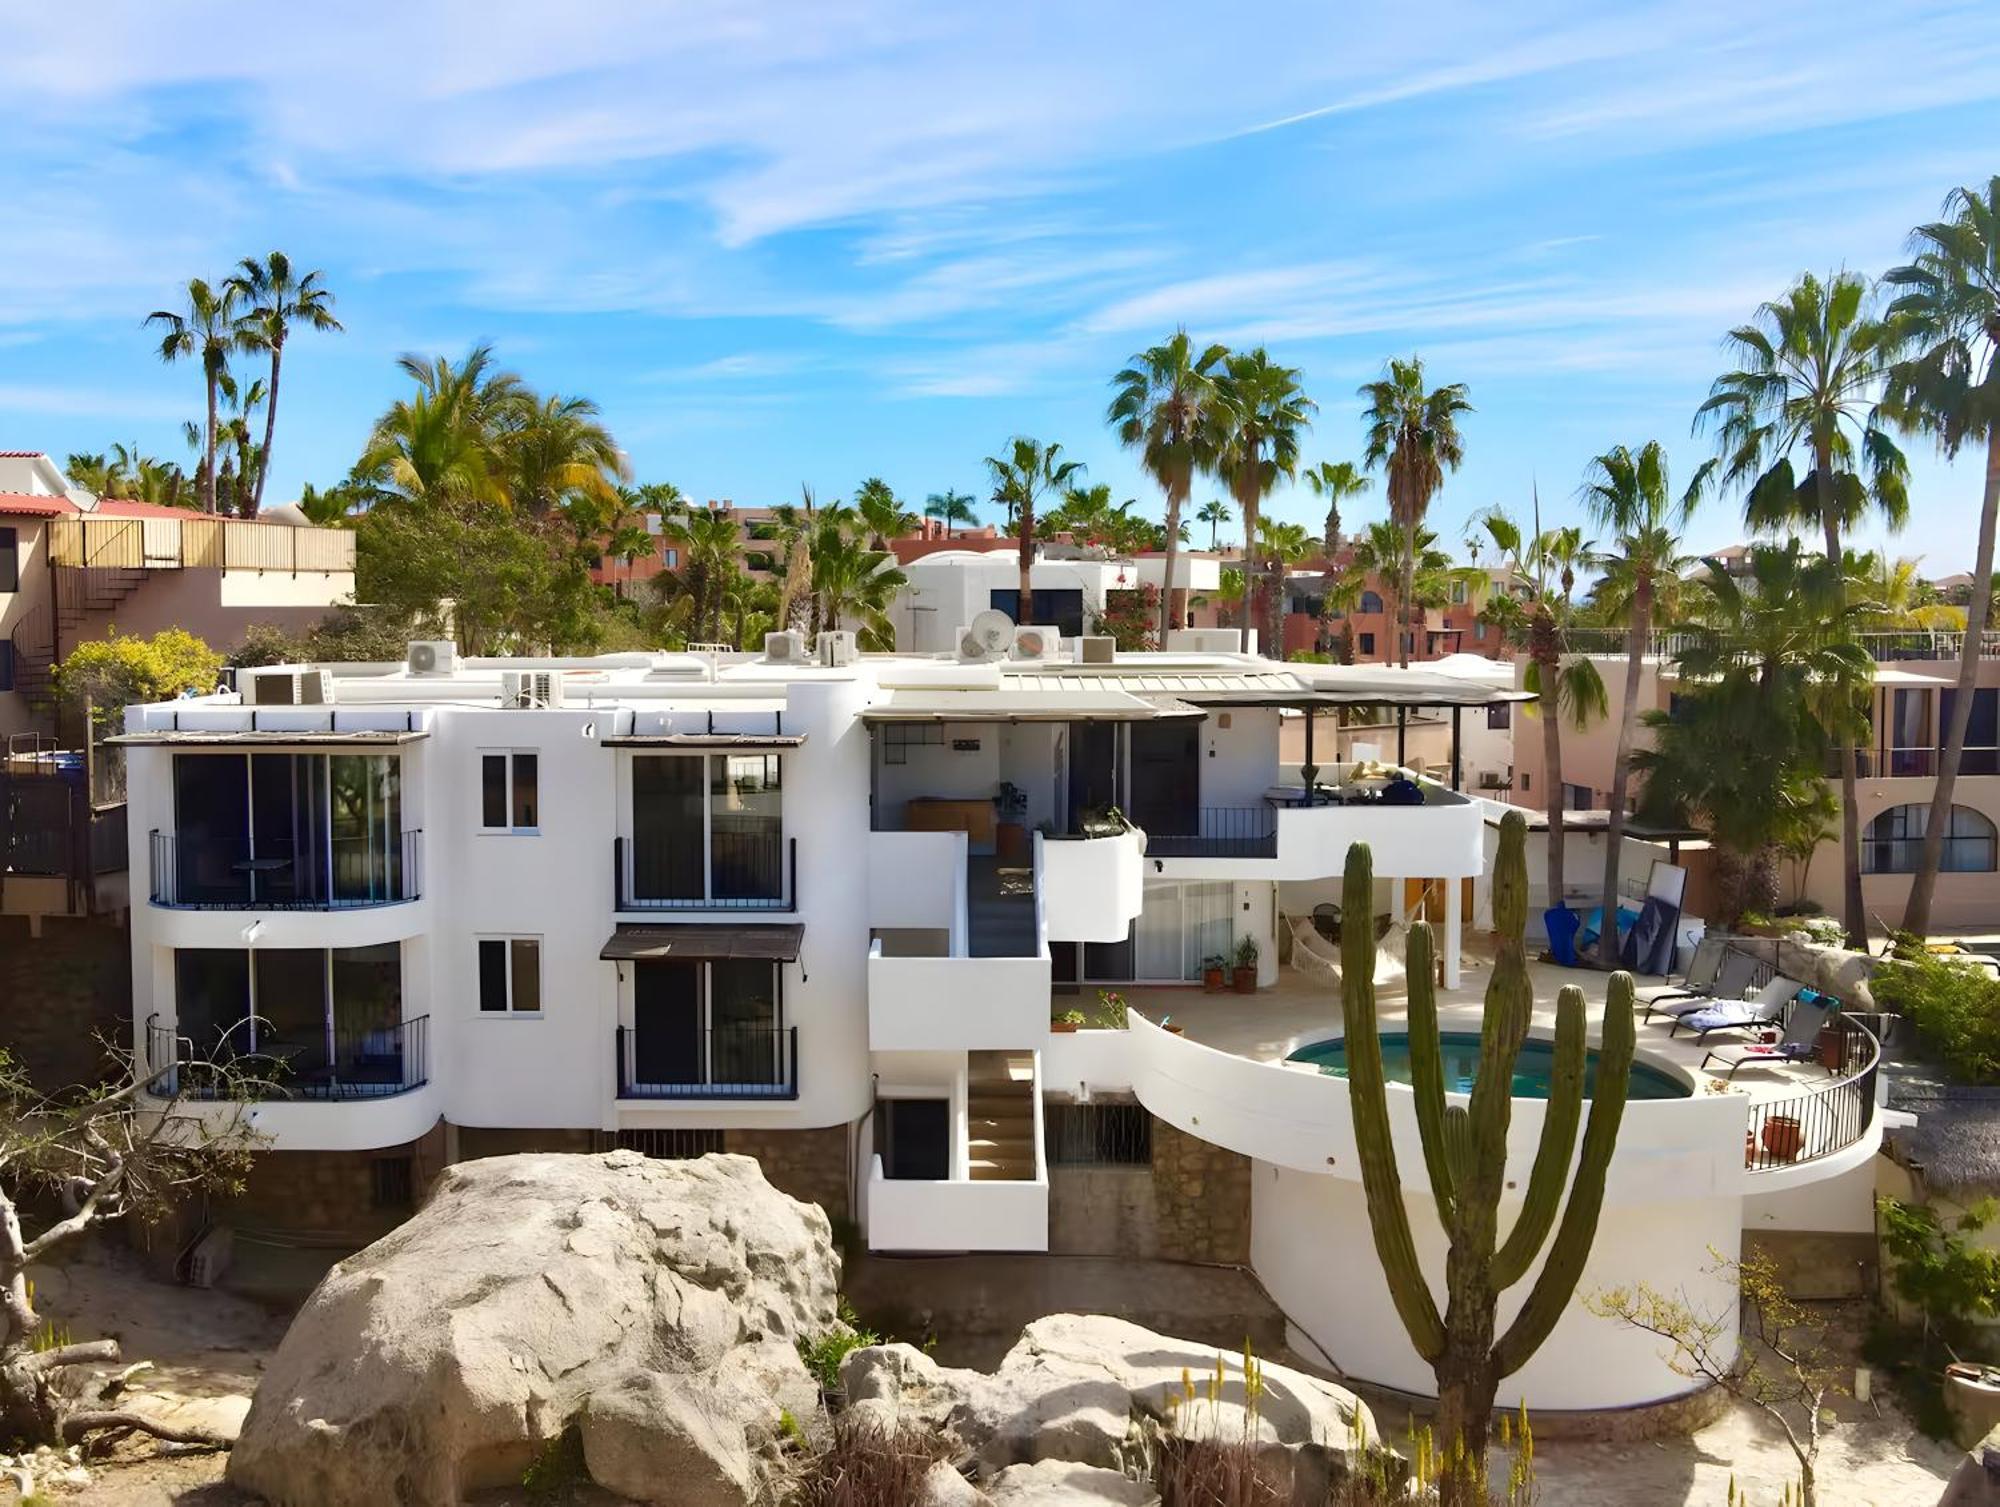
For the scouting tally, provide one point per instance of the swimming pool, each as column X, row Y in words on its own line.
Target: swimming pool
column 1461, row 1064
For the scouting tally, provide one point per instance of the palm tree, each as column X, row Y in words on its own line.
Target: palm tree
column 1413, row 435
column 1948, row 309
column 555, row 450
column 950, row 508
column 1628, row 494
column 1021, row 476
column 1378, row 562
column 1283, row 544
column 1215, row 512
column 1262, row 413
column 707, row 538
column 444, row 444
column 1535, row 614
column 881, row 512
column 243, row 404
column 211, row 328
column 1230, row 590
column 1809, row 367
column 1165, row 407
column 1336, row 481
column 278, row 301
column 855, row 584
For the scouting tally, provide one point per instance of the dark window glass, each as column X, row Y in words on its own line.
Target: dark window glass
column 527, row 806
column 6, row 664
column 526, row 955
column 667, row 797
column 914, row 1140
column 746, row 822
column 743, row 1019
column 10, row 560
column 1370, row 602
column 212, row 998
column 1367, row 643
column 1500, row 715
column 493, row 790
column 492, row 974
column 1894, row 842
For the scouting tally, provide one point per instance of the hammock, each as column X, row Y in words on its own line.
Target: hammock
column 1317, row 958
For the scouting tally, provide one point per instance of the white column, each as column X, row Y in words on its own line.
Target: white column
column 1453, row 922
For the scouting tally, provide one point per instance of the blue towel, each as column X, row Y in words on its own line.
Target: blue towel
column 1561, row 924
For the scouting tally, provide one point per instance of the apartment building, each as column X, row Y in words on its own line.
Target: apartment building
column 949, row 586
column 757, row 550
column 1915, row 684
column 830, row 910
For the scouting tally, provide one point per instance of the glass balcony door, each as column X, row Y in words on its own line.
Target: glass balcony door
column 316, row 1022
column 707, row 829
column 287, row 830
column 705, row 1023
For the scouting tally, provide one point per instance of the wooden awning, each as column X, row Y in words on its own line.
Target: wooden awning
column 700, row 942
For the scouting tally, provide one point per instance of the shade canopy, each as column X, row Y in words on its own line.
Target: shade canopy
column 737, row 741
column 1020, row 700
column 698, row 942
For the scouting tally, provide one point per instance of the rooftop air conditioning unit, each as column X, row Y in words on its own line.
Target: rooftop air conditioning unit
column 433, row 656
column 1205, row 640
column 989, row 636
column 291, row 688
column 785, row 648
column 531, row 689
column 1492, row 779
column 1034, row 642
column 836, row 648
column 1096, row 649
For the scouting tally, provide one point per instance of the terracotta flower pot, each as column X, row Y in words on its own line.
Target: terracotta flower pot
column 1783, row 1138
column 1243, row 980
column 1062, row 1025
column 1211, row 980
column 1829, row 1047
column 1174, row 1030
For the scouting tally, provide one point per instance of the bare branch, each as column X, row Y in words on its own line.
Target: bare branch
column 76, row 1426
column 83, row 1353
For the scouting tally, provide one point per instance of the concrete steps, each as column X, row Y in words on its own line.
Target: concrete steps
column 1000, row 1121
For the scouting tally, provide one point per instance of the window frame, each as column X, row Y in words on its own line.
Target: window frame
column 10, row 560
column 511, row 792
column 1902, row 839
column 509, row 942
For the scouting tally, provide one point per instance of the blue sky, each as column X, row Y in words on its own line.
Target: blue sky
column 809, row 243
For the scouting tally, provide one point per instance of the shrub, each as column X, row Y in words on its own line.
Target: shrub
column 1955, row 1009
column 122, row 670
column 823, row 1352
column 867, row 1465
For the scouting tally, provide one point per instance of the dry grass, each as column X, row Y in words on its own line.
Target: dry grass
column 867, row 1465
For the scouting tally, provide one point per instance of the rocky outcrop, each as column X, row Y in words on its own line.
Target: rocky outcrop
column 1097, row 1394
column 653, row 1305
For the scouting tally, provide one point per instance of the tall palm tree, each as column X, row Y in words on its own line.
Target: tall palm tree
column 1810, row 367
column 1378, row 563
column 881, row 512
column 1028, row 470
column 1215, row 512
column 855, row 584
column 707, row 538
column 1336, row 481
column 1947, row 307
column 1164, row 405
column 555, row 450
column 208, row 327
column 1262, row 414
column 1413, row 435
column 1629, row 495
column 950, row 508
column 278, row 301
column 1534, row 613
column 1283, row 544
column 445, row 443
column 242, row 404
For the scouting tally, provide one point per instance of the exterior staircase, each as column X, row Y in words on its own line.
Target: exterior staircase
column 84, row 589
column 1000, row 1120
column 33, row 639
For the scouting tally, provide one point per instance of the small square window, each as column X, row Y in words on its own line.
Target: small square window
column 510, row 975
column 509, row 792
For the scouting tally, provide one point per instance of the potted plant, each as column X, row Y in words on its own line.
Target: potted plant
column 1783, row 1137
column 1069, row 1020
column 1243, row 978
column 1110, row 1010
column 1211, row 973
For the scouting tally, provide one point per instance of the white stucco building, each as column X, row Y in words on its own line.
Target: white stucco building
column 825, row 913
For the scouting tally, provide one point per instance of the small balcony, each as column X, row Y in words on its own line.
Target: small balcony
column 745, row 871
column 344, row 1066
column 720, row 1062
column 222, row 873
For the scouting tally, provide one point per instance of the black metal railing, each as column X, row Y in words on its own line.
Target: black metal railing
column 224, row 874
column 1822, row 1120
column 375, row 1063
column 746, row 871
column 1220, row 832
column 724, row 1062
column 1916, row 763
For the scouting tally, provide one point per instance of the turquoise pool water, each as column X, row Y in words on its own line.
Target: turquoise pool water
column 1461, row 1064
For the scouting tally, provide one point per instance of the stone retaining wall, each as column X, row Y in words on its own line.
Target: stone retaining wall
column 1201, row 1196
column 810, row 1165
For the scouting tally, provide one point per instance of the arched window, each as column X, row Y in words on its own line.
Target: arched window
column 1894, row 842
column 1370, row 602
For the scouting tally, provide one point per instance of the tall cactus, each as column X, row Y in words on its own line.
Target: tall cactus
column 1465, row 1156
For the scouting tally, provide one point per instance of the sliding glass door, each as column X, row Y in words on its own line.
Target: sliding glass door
column 708, row 828
column 1180, row 924
column 288, row 830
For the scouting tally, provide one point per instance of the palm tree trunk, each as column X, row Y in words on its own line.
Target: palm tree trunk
column 1917, row 917
column 270, row 428
column 1853, row 908
column 1176, row 496
column 1621, row 768
column 1406, row 587
column 1253, row 566
column 208, row 450
column 1024, row 611
column 1552, row 768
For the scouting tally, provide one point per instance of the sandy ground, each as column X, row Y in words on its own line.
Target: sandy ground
column 209, row 1347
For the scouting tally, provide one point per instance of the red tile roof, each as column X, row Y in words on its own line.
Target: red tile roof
column 18, row 503
column 43, row 506
column 21, row 454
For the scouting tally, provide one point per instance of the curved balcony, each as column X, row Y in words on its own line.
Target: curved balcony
column 1793, row 1130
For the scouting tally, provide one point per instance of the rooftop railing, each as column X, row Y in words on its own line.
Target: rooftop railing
column 1883, row 646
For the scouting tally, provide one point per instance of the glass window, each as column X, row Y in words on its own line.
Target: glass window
column 1370, row 602
column 510, row 975
column 508, row 792
column 1894, row 842
column 10, row 560
column 6, row 664
column 492, row 974
column 525, row 968
column 1500, row 715
column 493, row 790
column 527, row 806
column 708, row 828
column 1367, row 643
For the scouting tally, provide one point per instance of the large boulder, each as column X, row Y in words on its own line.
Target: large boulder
column 655, row 1305
column 1099, row 1393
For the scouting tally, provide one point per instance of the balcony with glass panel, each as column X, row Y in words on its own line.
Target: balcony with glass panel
column 708, row 833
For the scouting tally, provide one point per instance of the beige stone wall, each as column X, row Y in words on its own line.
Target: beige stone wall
column 61, row 993
column 1201, row 1198
column 808, row 1164
column 475, row 1141
column 329, row 1195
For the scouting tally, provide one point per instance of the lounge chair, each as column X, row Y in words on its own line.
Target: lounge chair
column 1809, row 1017
column 1701, row 971
column 1768, row 1008
column 1737, row 972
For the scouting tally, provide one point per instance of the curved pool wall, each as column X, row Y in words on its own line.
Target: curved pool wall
column 1675, row 1188
column 1461, row 1057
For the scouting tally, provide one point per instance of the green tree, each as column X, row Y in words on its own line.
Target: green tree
column 209, row 327
column 950, row 509
column 1336, row 481
column 554, row 451
column 1413, row 436
column 707, row 539
column 122, row 669
column 1261, row 415
column 444, row 443
column 853, row 584
column 1028, row 471
column 1284, row 544
column 1809, row 369
column 1628, row 495
column 1165, row 406
column 1378, row 563
column 1215, row 512
column 279, row 301
column 882, row 512
column 1535, row 614
column 1947, row 310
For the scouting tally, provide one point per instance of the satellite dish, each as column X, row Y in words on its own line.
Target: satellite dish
column 994, row 630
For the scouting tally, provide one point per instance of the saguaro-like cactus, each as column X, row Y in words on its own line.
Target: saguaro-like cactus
column 1465, row 1156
